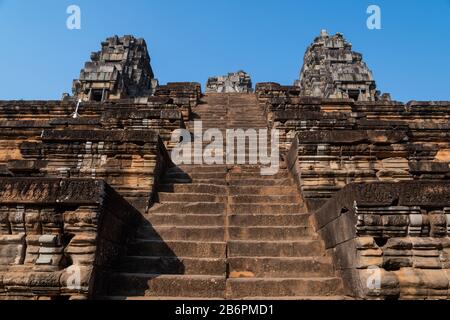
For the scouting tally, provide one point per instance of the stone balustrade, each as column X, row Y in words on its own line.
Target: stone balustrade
column 58, row 237
column 390, row 240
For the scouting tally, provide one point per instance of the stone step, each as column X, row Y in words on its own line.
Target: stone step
column 207, row 109
column 190, row 197
column 266, row 208
column 200, row 168
column 207, row 175
column 173, row 265
column 168, row 180
column 261, row 182
column 178, row 220
column 189, row 208
column 177, row 176
column 159, row 298
column 240, row 107
column 193, row 188
column 246, row 110
column 254, row 121
column 256, row 175
column 277, row 199
column 217, row 182
column 280, row 287
column 167, row 285
column 248, row 220
column 302, row 248
column 248, row 123
column 262, row 190
column 275, row 267
column 286, row 298
column 272, row 233
column 204, row 115
column 211, row 114
column 254, row 168
column 177, row 248
column 297, row 298
column 185, row 233
column 247, row 113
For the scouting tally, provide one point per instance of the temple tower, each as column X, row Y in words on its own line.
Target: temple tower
column 331, row 69
column 120, row 70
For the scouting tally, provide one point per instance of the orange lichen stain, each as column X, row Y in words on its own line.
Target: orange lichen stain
column 242, row 274
column 443, row 155
column 10, row 154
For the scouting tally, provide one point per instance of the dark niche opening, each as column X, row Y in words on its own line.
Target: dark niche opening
column 97, row 95
column 353, row 94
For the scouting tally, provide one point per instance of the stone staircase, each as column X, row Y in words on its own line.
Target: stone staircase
column 226, row 232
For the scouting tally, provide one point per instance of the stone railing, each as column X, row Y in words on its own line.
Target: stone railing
column 59, row 237
column 390, row 240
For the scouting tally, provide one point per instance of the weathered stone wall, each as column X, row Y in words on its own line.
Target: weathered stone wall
column 390, row 240
column 59, row 237
column 342, row 141
column 118, row 142
column 185, row 95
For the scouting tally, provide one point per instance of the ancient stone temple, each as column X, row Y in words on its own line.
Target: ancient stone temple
column 332, row 70
column 120, row 70
column 93, row 206
column 237, row 82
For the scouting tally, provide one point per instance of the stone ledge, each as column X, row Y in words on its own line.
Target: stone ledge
column 59, row 237
column 145, row 136
column 399, row 232
column 51, row 191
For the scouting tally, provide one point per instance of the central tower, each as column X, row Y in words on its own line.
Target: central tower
column 332, row 70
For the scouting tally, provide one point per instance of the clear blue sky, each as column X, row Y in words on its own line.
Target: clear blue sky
column 192, row 40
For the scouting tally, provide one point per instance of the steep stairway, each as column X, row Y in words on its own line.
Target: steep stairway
column 226, row 231
column 272, row 249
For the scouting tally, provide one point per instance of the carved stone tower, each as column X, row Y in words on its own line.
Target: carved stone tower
column 120, row 70
column 332, row 70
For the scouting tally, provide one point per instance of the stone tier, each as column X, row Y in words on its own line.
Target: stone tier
column 119, row 142
column 390, row 240
column 58, row 237
column 338, row 142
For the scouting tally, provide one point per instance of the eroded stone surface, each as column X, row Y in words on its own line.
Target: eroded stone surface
column 57, row 236
column 390, row 240
column 238, row 82
column 331, row 69
column 120, row 70
column 79, row 183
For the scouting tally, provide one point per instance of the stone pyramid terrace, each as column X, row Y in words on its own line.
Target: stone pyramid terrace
column 93, row 206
